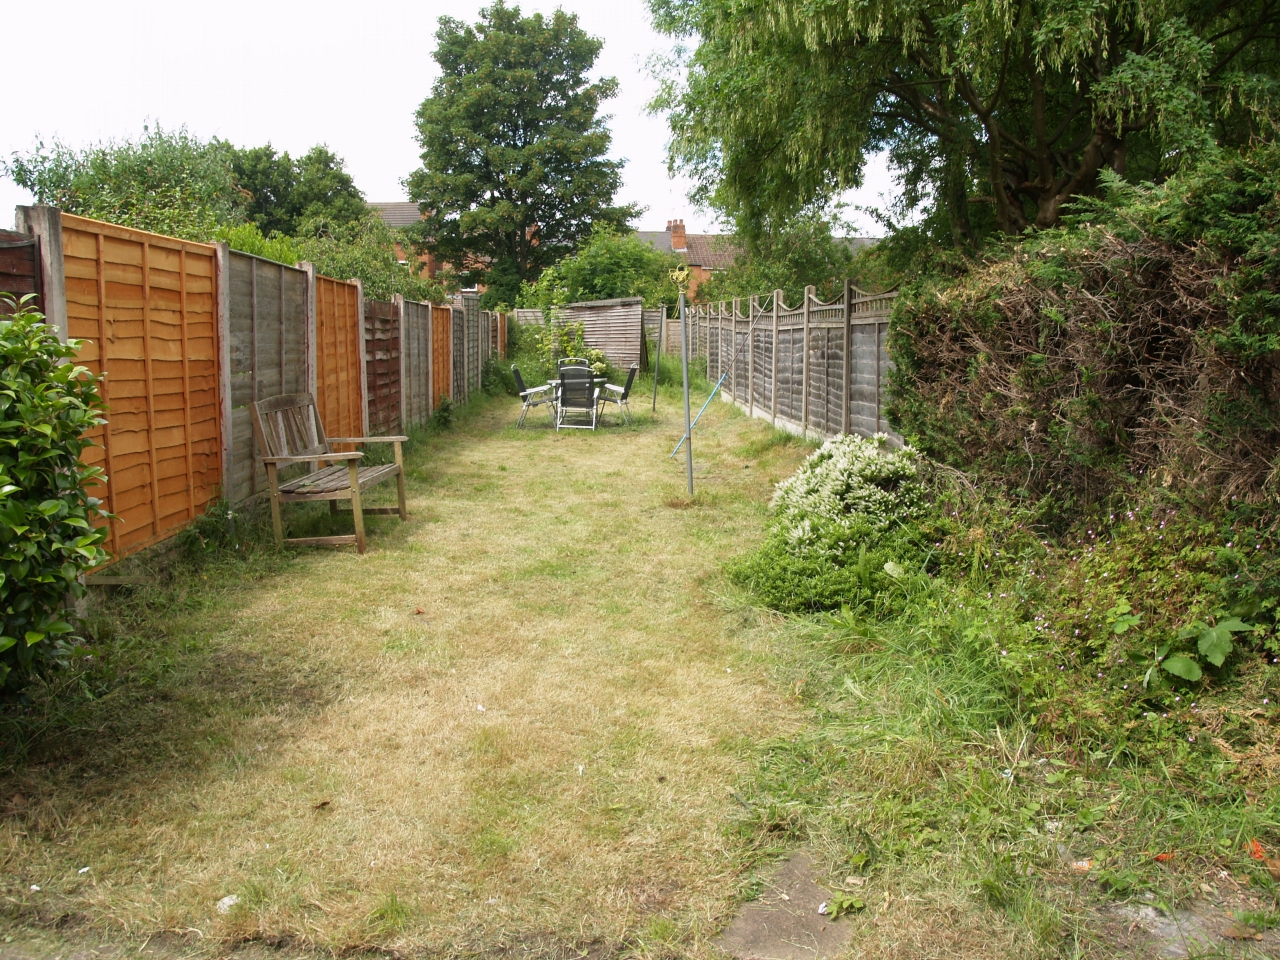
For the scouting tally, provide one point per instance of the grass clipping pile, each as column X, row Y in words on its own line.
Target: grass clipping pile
column 1044, row 719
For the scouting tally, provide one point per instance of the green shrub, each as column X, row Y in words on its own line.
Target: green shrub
column 47, row 405
column 496, row 379
column 542, row 346
column 843, row 532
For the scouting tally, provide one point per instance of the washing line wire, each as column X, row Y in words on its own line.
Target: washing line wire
column 733, row 360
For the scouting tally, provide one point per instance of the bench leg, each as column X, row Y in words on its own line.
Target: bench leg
column 276, row 523
column 354, row 468
column 404, row 510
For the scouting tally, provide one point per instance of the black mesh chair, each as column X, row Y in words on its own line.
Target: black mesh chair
column 615, row 394
column 572, row 362
column 535, row 397
column 578, row 394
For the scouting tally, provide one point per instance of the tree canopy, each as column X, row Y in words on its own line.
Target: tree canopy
column 608, row 266
column 282, row 193
column 995, row 114
column 514, row 150
column 259, row 201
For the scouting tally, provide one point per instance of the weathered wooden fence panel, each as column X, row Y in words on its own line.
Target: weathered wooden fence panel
column 819, row 368
column 474, row 348
column 382, row 364
column 267, row 340
column 339, row 357
column 145, row 305
column 416, row 361
column 20, row 265
column 459, row 324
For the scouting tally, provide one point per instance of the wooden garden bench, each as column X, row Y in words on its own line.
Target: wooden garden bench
column 289, row 431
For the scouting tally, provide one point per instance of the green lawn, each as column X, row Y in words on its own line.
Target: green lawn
column 518, row 719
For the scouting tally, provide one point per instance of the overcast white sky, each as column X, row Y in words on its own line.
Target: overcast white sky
column 296, row 74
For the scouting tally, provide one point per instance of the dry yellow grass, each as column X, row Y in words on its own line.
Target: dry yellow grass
column 540, row 761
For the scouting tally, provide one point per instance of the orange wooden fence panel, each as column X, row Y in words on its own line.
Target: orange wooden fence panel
column 144, row 305
column 441, row 354
column 339, row 358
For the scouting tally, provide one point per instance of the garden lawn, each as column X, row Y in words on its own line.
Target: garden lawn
column 516, row 723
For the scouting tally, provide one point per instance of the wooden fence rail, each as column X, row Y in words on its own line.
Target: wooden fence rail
column 817, row 368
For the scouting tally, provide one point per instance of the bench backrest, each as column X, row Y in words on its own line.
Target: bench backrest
column 288, row 426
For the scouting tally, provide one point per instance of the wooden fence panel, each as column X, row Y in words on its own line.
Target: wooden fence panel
column 145, row 305
column 339, row 357
column 20, row 265
column 832, row 367
column 268, row 331
column 416, row 349
column 441, row 354
column 382, row 365
column 471, row 375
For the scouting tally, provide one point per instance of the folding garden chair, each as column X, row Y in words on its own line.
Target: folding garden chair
column 619, row 395
column 533, row 397
column 578, row 393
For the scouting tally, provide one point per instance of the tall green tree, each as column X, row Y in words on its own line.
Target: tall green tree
column 995, row 113
column 514, row 150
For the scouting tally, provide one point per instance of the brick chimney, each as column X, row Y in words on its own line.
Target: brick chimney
column 676, row 229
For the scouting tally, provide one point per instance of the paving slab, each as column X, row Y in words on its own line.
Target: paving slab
column 783, row 923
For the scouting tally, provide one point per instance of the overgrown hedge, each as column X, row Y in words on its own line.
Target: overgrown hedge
column 1142, row 338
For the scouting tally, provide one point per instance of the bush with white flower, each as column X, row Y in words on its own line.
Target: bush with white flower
column 843, row 529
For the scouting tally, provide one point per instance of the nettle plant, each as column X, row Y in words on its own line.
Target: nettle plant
column 47, row 537
column 849, row 488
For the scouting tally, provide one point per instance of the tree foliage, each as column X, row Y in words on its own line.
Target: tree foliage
column 366, row 250
column 995, row 114
column 609, row 265
column 173, row 183
column 47, row 538
column 282, row 193
column 514, row 170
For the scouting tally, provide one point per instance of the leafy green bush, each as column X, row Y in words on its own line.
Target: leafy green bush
column 368, row 250
column 542, row 346
column 167, row 182
column 608, row 266
column 47, row 405
column 843, row 531
column 247, row 238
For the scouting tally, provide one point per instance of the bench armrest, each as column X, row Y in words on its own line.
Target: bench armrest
column 311, row 458
column 367, row 439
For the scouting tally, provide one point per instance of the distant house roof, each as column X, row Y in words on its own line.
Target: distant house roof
column 399, row 213
column 711, row 251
